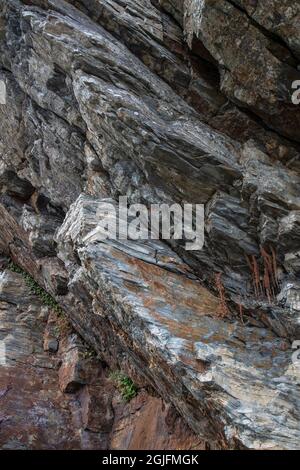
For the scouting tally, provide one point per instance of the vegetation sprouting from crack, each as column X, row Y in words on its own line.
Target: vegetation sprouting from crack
column 34, row 287
column 125, row 385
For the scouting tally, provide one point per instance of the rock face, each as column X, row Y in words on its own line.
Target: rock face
column 36, row 414
column 160, row 101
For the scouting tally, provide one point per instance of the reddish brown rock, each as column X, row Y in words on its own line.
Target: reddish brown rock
column 36, row 414
column 97, row 411
column 77, row 369
column 149, row 423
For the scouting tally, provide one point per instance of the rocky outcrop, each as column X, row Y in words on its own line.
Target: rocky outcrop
column 256, row 67
column 162, row 101
column 90, row 414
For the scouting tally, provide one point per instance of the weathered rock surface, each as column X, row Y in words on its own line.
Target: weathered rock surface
column 36, row 414
column 256, row 70
column 182, row 101
column 156, row 308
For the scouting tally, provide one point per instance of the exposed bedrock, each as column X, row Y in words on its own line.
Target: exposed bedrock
column 164, row 101
column 56, row 395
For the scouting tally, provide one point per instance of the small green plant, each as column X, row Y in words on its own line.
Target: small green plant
column 46, row 298
column 125, row 385
column 89, row 354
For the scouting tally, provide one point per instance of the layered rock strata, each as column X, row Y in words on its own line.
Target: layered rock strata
column 164, row 101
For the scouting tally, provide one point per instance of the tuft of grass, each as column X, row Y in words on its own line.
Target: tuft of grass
column 125, row 385
column 46, row 298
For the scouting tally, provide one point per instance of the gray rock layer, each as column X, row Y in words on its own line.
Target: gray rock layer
column 164, row 101
column 55, row 394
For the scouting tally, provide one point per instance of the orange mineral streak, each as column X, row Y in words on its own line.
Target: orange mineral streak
column 186, row 300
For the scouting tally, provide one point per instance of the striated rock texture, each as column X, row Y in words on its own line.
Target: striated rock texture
column 63, row 398
column 161, row 101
